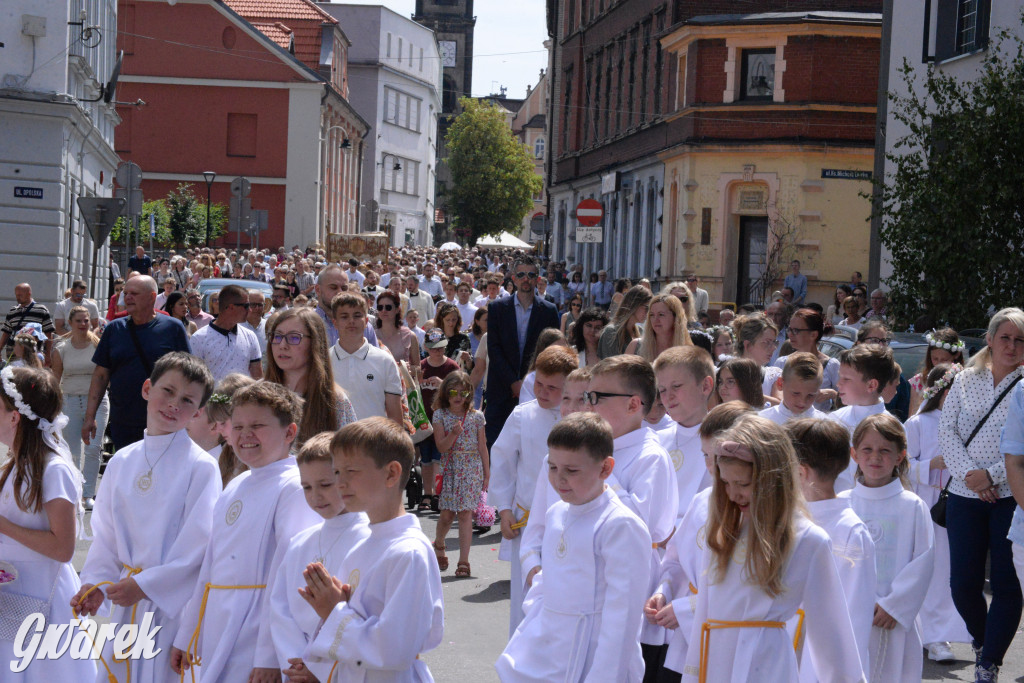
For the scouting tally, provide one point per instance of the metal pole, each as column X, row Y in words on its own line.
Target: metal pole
column 208, row 186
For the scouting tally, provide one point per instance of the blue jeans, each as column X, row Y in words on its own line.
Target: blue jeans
column 978, row 530
column 74, row 408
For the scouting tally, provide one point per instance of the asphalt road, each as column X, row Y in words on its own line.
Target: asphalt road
column 476, row 619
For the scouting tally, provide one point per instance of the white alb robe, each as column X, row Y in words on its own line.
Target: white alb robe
column 780, row 414
column 162, row 529
column 938, row 620
column 850, row 417
column 680, row 571
column 687, row 456
column 254, row 519
column 811, row 582
column 396, row 611
column 584, row 609
column 289, row 621
column 644, row 479
column 42, row 577
column 901, row 528
column 516, row 458
column 854, row 554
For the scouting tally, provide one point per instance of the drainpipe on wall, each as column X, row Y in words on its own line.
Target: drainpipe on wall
column 878, row 190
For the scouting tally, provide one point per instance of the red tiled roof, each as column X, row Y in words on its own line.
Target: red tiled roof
column 277, row 32
column 280, row 9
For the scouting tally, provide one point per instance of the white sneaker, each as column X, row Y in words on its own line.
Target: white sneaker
column 940, row 652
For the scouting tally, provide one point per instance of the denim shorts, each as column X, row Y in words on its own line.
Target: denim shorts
column 429, row 452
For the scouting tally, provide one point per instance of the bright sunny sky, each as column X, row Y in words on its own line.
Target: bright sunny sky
column 508, row 42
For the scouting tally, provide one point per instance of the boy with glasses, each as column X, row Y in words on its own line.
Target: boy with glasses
column 226, row 344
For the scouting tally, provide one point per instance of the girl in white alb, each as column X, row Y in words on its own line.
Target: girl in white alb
column 40, row 491
column 939, row 621
column 901, row 528
column 763, row 560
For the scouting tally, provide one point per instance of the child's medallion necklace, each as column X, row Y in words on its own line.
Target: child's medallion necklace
column 322, row 556
column 144, row 482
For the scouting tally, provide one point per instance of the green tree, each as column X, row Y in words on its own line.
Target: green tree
column 180, row 220
column 493, row 181
column 953, row 209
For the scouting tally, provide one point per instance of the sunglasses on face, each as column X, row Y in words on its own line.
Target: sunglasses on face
column 455, row 393
column 385, row 307
column 877, row 341
column 523, row 274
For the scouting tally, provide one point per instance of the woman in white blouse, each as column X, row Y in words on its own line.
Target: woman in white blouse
column 981, row 505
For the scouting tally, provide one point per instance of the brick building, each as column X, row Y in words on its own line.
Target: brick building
column 254, row 88
column 612, row 113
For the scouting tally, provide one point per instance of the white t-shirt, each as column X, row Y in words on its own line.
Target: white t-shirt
column 226, row 353
column 60, row 311
column 366, row 376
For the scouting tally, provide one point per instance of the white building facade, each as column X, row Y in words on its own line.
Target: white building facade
column 56, row 141
column 395, row 83
column 954, row 37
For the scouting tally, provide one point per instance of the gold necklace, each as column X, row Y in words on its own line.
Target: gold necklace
column 144, row 482
column 322, row 557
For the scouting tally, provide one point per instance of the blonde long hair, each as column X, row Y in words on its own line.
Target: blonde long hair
column 680, row 333
column 93, row 339
column 776, row 501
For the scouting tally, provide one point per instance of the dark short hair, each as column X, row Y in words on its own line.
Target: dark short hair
column 525, row 260
column 233, row 294
column 192, row 368
column 79, row 284
column 636, row 374
column 380, row 439
column 587, row 432
column 823, row 445
column 870, row 362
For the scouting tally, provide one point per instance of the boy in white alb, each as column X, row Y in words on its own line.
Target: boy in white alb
column 620, row 389
column 673, row 604
column 516, row 459
column 582, row 621
column 389, row 608
column 152, row 517
column 686, row 378
column 864, row 371
column 823, row 450
column 800, row 383
column 290, row 622
column 255, row 518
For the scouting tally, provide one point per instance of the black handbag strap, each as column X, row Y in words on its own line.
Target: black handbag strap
column 138, row 348
column 981, row 423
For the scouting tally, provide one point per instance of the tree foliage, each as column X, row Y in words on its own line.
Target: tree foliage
column 953, row 209
column 493, row 181
column 180, row 220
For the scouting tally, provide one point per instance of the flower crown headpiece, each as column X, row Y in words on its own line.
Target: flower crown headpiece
column 943, row 383
column 707, row 335
column 222, row 399
column 7, row 377
column 945, row 346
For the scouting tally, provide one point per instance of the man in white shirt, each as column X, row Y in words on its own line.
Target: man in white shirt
column 225, row 344
column 700, row 296
column 77, row 298
column 367, row 373
column 419, row 299
column 353, row 273
column 430, row 283
column 255, row 321
column 161, row 299
column 466, row 309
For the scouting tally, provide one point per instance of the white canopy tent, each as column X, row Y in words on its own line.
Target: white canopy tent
column 504, row 240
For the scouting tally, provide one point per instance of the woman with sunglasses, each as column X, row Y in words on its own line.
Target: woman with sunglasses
column 680, row 291
column 299, row 360
column 571, row 314
column 393, row 334
column 805, row 330
column 177, row 308
column 577, row 285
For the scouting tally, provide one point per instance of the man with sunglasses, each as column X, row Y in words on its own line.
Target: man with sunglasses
column 226, row 344
column 513, row 325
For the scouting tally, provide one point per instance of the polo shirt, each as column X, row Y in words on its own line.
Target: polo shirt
column 116, row 352
column 366, row 376
column 226, row 351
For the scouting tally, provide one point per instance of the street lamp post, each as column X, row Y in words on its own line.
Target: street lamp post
column 210, row 176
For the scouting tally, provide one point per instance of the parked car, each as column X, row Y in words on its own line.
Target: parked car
column 215, row 284
column 908, row 348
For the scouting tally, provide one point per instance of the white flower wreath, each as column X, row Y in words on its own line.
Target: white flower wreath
column 7, row 376
column 946, row 346
column 942, row 384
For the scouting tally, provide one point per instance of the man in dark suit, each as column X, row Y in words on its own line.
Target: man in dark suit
column 513, row 325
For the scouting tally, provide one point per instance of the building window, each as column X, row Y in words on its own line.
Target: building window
column 961, row 27
column 404, row 179
column 388, row 54
column 538, row 148
column 421, row 59
column 241, row 135
column 401, row 109
column 757, row 78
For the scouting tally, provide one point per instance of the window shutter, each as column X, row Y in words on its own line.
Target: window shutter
column 945, row 29
column 981, row 30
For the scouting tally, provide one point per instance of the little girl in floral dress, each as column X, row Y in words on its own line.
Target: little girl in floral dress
column 465, row 464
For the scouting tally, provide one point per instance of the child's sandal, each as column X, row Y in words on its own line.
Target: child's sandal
column 442, row 559
column 462, row 570
column 425, row 502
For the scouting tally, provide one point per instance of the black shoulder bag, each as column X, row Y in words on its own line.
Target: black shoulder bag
column 938, row 510
column 143, row 358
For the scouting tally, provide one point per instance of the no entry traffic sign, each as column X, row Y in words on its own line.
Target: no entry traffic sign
column 589, row 212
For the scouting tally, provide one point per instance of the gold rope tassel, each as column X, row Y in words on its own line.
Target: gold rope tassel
column 111, row 678
column 526, row 518
column 192, row 653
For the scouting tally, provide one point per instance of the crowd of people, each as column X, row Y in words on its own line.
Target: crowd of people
column 682, row 492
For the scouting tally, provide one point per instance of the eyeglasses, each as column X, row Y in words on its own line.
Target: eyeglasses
column 769, row 343
column 246, row 306
column 524, row 274
column 593, row 397
column 684, row 299
column 877, row 341
column 385, row 307
column 691, row 279
column 257, row 305
column 455, row 393
column 798, row 330
column 293, row 338
column 575, row 305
